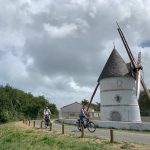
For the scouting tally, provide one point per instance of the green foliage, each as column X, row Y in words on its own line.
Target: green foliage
column 96, row 106
column 144, row 104
column 16, row 104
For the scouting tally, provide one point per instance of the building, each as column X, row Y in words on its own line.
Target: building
column 73, row 110
column 117, row 91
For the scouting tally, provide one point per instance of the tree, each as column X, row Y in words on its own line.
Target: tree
column 96, row 106
column 85, row 102
column 16, row 104
column 144, row 104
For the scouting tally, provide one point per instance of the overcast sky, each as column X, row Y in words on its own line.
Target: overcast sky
column 57, row 48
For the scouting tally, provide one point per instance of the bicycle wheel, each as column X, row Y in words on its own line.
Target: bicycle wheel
column 91, row 126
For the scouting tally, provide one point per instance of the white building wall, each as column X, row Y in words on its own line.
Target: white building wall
column 118, row 95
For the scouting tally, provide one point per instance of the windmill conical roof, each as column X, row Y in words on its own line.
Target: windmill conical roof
column 114, row 67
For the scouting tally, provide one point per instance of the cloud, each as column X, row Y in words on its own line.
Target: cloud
column 62, row 31
column 13, row 69
column 59, row 48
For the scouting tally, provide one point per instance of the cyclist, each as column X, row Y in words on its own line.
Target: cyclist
column 84, row 121
column 47, row 113
column 83, row 114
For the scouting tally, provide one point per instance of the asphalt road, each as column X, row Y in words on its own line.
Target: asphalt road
column 119, row 135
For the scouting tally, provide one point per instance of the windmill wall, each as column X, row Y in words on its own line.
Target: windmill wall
column 118, row 100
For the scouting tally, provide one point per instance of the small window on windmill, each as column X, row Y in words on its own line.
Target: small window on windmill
column 118, row 98
column 119, row 83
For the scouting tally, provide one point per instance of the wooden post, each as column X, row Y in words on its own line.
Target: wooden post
column 82, row 130
column 111, row 135
column 26, row 122
column 50, row 126
column 29, row 122
column 62, row 127
column 34, row 123
column 41, row 124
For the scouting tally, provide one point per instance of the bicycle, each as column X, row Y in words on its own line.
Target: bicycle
column 86, row 124
column 46, row 121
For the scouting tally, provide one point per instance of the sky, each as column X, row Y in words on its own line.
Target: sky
column 58, row 48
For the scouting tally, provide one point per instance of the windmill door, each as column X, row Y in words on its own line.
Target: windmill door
column 115, row 116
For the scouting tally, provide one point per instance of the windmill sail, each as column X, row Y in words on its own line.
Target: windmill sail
column 138, row 75
column 126, row 46
column 136, row 66
column 93, row 96
column 138, row 83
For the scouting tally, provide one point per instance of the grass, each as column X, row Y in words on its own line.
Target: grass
column 18, row 137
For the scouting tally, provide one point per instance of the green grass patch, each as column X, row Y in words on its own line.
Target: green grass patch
column 13, row 137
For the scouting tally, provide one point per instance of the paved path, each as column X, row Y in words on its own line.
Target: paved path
column 119, row 135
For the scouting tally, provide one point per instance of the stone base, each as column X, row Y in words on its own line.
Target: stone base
column 124, row 125
column 141, row 126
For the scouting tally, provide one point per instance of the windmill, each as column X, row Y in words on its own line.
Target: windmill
column 136, row 70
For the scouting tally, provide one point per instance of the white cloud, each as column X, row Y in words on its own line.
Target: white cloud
column 76, row 87
column 62, row 31
column 12, row 68
column 38, row 6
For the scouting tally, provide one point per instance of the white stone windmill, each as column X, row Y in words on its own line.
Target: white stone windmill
column 120, row 87
column 117, row 91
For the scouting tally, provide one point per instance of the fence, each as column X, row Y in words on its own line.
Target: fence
column 39, row 124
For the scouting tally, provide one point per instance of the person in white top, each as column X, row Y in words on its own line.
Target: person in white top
column 47, row 112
